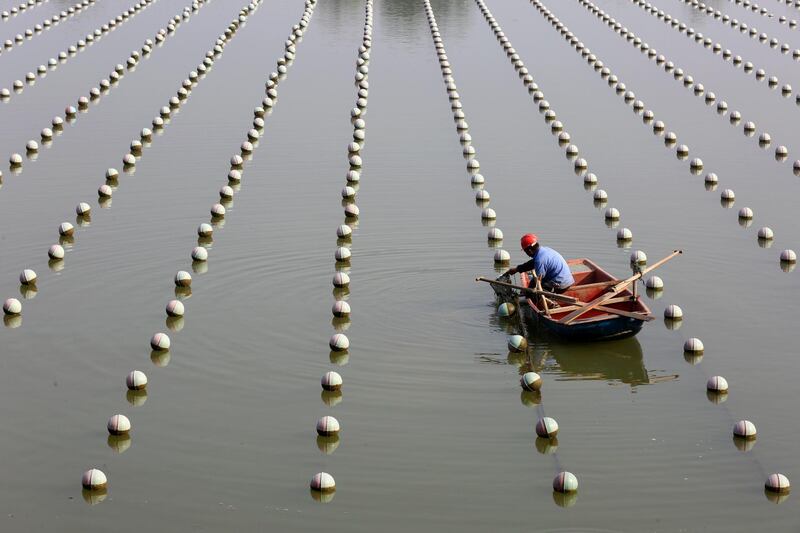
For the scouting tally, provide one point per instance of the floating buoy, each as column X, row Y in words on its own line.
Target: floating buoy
column 693, row 345
column 323, row 482
column 205, row 230
column 160, row 342
column 27, row 277
column 119, row 425
column 600, row 195
column 136, row 380
column 517, row 343
column 341, row 279
column 728, row 195
column 495, row 234
column 226, row 192
column 342, row 253
column 175, row 308
column 778, row 483
column 94, row 479
column 56, row 252
column 788, row 256
column 344, row 231
column 331, row 381
column 711, row 179
column 327, row 426
column 341, row 309
column 696, row 164
column 12, row 307
column 673, row 312
column 353, row 176
column 218, row 211
column 624, row 234
column 746, row 213
column 530, row 381
column 183, row 279
column 199, row 253
column 505, row 310
column 482, row 195
column 744, row 429
column 565, row 482
column 612, row 213
column 339, row 342
column 654, row 283
column 765, row 233
column 590, row 179
column 105, row 191
column 351, row 211
column 32, row 146
column 15, row 160
column 546, row 427
column 717, row 384
column 502, row 257
column 638, row 257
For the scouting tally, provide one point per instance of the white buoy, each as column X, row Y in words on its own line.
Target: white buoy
column 600, row 195
column 105, row 191
column 765, row 233
column 119, row 425
column 495, row 234
column 15, row 160
column 565, row 482
column 728, row 195
column 717, row 384
column 502, row 257
column 327, row 426
column 27, row 277
column 696, row 164
column 488, row 214
column 199, row 253
column 745, row 429
column 341, row 309
column 136, row 380
column 56, row 252
column 344, row 231
column 175, row 308
column 323, row 482
column 778, row 483
column 341, row 280
column 83, row 209
column 160, row 342
column 638, row 257
column 342, row 253
column 226, row 192
column 693, row 345
column 517, row 343
column 506, row 309
column 183, row 279
column 339, row 342
column 32, row 146
column 348, row 192
column 94, row 479
column 12, row 307
column 351, row 211
column 673, row 312
column 218, row 211
column 531, row 381
column 654, row 283
column 482, row 195
column 205, row 230
column 745, row 213
column 546, row 427
column 331, row 381
column 788, row 256
column 624, row 234
column 612, row 213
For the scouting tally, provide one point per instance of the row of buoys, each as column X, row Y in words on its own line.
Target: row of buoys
column 21, row 8
column 71, row 112
column 717, row 49
column 80, row 45
column 136, row 381
column 83, row 210
column 546, row 428
column 679, row 75
column 46, row 24
column 693, row 347
column 696, row 165
column 323, row 484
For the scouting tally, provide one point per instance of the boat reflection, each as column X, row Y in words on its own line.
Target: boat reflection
column 617, row 362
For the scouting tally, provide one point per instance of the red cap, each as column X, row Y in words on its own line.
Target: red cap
column 528, row 240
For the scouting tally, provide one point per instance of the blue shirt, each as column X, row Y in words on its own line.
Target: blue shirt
column 550, row 266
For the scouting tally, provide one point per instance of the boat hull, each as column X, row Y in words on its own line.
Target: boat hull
column 598, row 330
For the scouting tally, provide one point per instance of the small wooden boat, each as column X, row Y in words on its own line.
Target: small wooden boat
column 620, row 316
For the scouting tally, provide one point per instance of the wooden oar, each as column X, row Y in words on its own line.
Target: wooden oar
column 576, row 303
column 614, row 290
column 551, row 295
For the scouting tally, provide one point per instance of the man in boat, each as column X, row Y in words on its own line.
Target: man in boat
column 545, row 263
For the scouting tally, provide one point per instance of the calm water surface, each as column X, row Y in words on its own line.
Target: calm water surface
column 436, row 435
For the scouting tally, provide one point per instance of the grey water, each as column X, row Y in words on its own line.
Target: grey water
column 436, row 432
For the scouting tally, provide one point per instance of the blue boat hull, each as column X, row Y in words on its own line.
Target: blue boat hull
column 611, row 328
